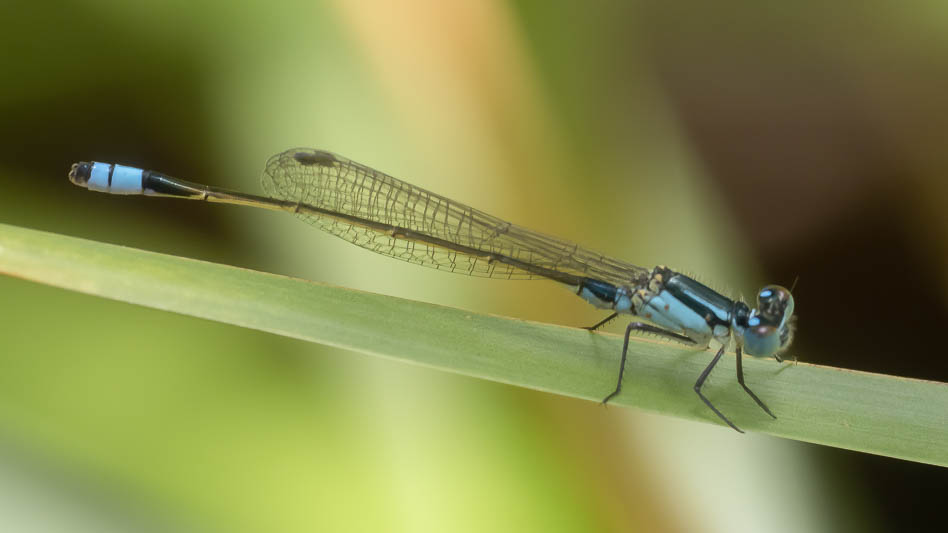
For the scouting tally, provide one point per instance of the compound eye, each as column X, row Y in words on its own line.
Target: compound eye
column 774, row 303
column 761, row 341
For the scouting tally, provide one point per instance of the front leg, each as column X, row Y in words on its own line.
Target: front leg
column 740, row 379
column 648, row 328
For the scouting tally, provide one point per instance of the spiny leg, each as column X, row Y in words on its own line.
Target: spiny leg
column 602, row 322
column 648, row 328
column 698, row 384
column 740, row 379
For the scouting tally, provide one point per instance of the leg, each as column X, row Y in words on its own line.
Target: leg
column 782, row 359
column 740, row 379
column 602, row 322
column 698, row 384
column 639, row 326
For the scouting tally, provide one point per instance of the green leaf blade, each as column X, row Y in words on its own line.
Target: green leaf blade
column 884, row 415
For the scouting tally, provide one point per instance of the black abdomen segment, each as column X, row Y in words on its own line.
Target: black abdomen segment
column 599, row 293
column 157, row 184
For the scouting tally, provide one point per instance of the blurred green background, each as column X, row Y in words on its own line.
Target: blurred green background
column 745, row 143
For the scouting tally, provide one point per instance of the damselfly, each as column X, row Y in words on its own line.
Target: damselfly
column 394, row 218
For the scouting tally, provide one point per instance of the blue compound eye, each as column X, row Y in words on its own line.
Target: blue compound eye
column 775, row 303
column 761, row 341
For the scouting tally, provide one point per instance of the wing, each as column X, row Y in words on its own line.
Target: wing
column 391, row 217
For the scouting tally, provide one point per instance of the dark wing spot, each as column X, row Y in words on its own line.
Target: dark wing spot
column 324, row 159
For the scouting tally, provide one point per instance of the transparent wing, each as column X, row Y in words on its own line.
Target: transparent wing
column 397, row 219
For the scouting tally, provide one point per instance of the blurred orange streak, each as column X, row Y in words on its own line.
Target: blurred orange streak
column 459, row 74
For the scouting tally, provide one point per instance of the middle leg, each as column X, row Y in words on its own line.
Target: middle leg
column 648, row 328
column 700, row 383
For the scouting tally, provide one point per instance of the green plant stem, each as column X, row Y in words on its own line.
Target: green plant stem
column 879, row 414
